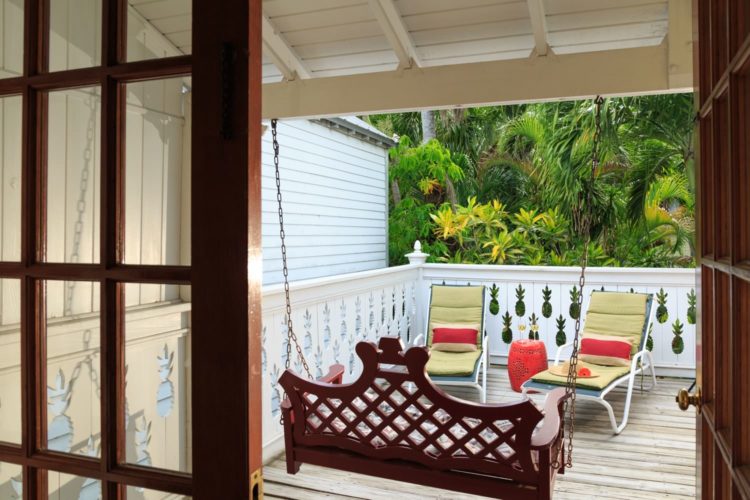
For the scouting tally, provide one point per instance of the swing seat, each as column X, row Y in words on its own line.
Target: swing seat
column 394, row 422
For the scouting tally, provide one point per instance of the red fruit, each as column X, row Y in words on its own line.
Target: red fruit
column 584, row 372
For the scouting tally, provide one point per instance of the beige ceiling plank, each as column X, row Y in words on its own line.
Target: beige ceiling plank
column 538, row 26
column 281, row 53
column 680, row 44
column 618, row 72
column 395, row 31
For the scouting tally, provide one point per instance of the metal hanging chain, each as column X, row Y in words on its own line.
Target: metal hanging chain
column 88, row 159
column 291, row 336
column 586, row 216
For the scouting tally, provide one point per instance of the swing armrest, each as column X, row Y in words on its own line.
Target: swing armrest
column 547, row 432
column 418, row 340
column 335, row 375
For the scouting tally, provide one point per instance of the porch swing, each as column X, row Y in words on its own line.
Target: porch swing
column 394, row 422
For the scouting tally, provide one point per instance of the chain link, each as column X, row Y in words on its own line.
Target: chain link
column 584, row 225
column 81, row 204
column 291, row 336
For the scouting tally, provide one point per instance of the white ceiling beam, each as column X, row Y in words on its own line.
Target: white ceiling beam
column 538, row 26
column 281, row 54
column 394, row 29
column 556, row 77
column 679, row 42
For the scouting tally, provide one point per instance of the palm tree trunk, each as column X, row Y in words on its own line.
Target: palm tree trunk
column 429, row 132
column 395, row 192
column 428, row 125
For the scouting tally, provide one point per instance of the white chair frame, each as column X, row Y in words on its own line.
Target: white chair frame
column 637, row 367
column 472, row 380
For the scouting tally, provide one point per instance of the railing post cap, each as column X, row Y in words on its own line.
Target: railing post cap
column 417, row 256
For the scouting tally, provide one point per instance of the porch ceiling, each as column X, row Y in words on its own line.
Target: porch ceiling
column 360, row 56
column 334, row 57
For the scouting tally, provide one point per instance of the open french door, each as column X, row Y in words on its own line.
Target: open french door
column 722, row 47
column 130, row 249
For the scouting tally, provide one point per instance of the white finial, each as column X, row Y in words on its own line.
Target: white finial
column 417, row 256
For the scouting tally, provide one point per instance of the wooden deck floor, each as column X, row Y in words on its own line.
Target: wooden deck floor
column 654, row 457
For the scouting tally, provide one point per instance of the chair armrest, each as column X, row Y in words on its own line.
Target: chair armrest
column 559, row 351
column 637, row 359
column 545, row 435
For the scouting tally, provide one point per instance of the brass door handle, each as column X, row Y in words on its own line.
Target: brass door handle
column 685, row 399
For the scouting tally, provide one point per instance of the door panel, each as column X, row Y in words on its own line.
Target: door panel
column 100, row 356
column 723, row 51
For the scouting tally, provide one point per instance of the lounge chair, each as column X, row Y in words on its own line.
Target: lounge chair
column 620, row 314
column 457, row 305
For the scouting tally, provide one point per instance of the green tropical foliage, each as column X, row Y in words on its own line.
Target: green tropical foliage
column 650, row 338
column 520, row 170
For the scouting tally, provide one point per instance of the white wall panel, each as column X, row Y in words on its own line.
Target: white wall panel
column 334, row 194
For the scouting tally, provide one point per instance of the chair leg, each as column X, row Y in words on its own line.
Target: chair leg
column 653, row 369
column 626, row 413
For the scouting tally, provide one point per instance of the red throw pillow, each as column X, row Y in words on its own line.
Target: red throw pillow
column 454, row 336
column 605, row 352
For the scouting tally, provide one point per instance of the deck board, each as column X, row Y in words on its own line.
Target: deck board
column 653, row 458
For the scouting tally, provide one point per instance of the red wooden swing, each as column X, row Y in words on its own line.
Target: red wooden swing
column 393, row 422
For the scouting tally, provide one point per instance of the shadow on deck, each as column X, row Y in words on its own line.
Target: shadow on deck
column 654, row 457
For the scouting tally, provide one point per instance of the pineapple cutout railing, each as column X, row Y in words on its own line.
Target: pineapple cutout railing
column 650, row 338
column 692, row 300
column 678, row 343
column 533, row 327
column 546, row 304
column 662, row 313
column 507, row 330
column 560, row 337
column 494, row 303
column 520, row 305
column 574, row 311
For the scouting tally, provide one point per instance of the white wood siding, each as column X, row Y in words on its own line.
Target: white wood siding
column 335, row 203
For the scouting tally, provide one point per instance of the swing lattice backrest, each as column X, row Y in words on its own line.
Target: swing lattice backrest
column 393, row 411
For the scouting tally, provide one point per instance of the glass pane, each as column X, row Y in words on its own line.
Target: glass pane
column 68, row 487
column 10, row 178
column 73, row 169
column 10, row 361
column 11, row 38
column 157, row 172
column 134, row 493
column 159, row 28
column 11, row 481
column 73, row 384
column 75, row 34
column 157, row 361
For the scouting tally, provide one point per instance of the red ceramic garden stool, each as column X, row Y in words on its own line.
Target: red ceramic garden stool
column 525, row 359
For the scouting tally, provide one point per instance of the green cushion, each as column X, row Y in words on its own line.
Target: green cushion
column 452, row 363
column 619, row 314
column 456, row 304
column 607, row 374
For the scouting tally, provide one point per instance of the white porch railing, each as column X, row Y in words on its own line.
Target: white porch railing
column 332, row 314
